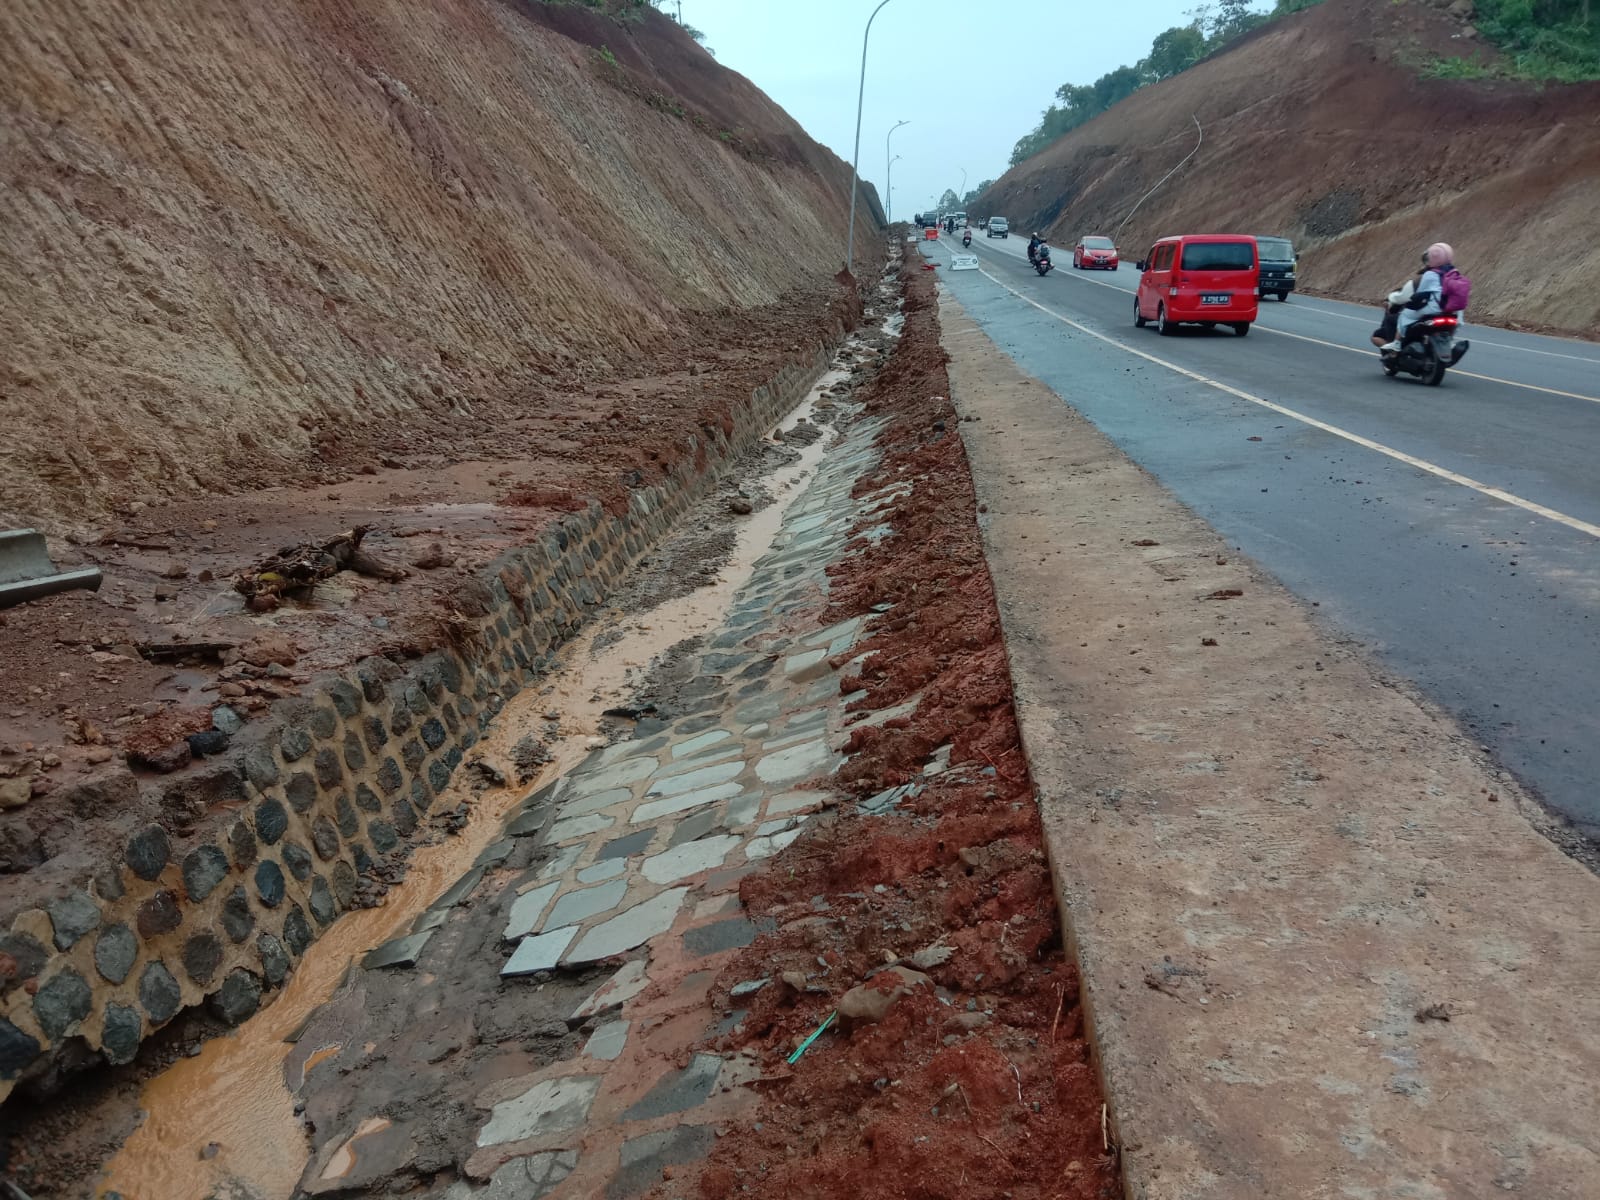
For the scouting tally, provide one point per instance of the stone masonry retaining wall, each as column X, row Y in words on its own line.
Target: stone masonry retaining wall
column 331, row 783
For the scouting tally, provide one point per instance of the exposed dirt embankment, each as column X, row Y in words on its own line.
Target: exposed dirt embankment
column 251, row 245
column 1318, row 127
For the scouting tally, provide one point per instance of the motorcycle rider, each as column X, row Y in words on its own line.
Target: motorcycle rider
column 966, row 236
column 1385, row 332
column 1033, row 246
column 1425, row 299
column 1044, row 250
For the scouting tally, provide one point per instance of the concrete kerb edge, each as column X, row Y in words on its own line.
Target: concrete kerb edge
column 332, row 782
column 1034, row 738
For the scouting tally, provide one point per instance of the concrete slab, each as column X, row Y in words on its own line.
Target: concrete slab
column 460, row 890
column 678, row 1090
column 561, row 862
column 766, row 847
column 608, row 869
column 712, row 755
column 527, row 909
column 741, row 812
column 580, row 827
column 701, row 777
column 799, row 762
column 629, row 770
column 731, row 934
column 528, row 1178
column 582, row 806
column 542, row 952
column 696, row 744
column 695, row 826
column 688, row 858
column 653, row 810
column 606, row 1042
column 846, row 630
column 577, row 906
column 789, row 803
column 622, row 847
column 631, row 979
column 549, row 1106
column 631, row 928
column 807, row 665
column 400, row 952
column 644, row 1159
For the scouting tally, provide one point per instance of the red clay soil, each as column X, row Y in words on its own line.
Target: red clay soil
column 980, row 1085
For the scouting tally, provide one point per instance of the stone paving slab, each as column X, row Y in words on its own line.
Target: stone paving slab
column 645, row 844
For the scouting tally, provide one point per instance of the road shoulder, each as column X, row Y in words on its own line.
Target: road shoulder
column 1323, row 950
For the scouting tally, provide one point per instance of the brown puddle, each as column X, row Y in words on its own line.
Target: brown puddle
column 233, row 1093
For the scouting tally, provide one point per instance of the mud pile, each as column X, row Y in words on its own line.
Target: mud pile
column 1318, row 127
column 244, row 243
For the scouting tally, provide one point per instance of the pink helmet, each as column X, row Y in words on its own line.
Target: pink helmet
column 1440, row 254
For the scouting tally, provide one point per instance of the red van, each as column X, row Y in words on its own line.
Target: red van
column 1202, row 278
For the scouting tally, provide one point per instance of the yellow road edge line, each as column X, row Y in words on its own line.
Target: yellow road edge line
column 1410, row 460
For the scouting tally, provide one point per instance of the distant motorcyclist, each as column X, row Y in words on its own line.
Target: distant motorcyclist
column 1033, row 246
column 1427, row 298
column 966, row 236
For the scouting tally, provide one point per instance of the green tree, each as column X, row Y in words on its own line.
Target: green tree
column 949, row 202
column 1544, row 39
column 966, row 201
column 1232, row 19
column 1174, row 50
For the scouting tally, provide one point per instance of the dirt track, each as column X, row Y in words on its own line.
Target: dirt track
column 1318, row 128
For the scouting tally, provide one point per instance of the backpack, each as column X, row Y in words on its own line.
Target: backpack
column 1455, row 290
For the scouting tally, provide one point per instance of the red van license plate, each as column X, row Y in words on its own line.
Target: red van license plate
column 1216, row 297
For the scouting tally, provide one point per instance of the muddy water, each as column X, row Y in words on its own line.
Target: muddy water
column 233, row 1093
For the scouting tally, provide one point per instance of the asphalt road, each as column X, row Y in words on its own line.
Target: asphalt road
column 1454, row 530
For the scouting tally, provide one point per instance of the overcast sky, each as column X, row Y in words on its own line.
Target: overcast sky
column 969, row 88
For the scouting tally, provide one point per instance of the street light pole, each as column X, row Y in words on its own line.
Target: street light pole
column 888, row 189
column 961, row 195
column 889, row 203
column 855, row 158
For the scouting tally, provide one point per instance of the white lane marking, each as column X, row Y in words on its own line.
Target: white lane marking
column 1476, row 341
column 1532, row 387
column 1367, row 443
column 1328, row 312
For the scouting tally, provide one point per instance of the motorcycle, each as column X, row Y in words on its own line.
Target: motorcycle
column 1041, row 261
column 966, row 239
column 1427, row 350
